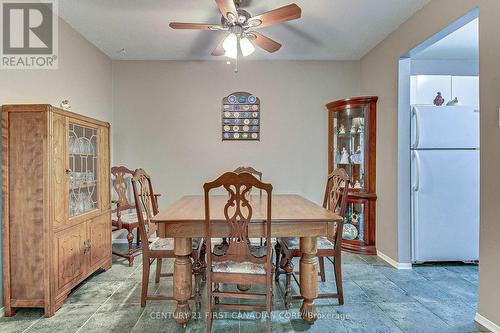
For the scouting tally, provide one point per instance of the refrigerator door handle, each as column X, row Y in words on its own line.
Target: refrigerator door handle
column 416, row 186
column 414, row 217
column 414, row 113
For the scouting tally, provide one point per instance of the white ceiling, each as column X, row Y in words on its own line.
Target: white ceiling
column 328, row 29
column 462, row 44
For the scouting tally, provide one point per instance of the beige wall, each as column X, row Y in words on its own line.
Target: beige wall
column 379, row 77
column 167, row 120
column 84, row 77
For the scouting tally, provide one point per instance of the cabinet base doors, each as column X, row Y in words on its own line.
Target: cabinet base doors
column 100, row 239
column 70, row 253
column 81, row 249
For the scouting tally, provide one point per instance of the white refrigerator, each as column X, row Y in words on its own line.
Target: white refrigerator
column 445, row 183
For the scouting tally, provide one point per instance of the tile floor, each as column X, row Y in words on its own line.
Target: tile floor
column 378, row 298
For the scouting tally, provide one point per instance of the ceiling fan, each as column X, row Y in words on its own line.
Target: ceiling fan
column 241, row 27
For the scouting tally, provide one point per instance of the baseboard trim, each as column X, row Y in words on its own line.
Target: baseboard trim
column 392, row 262
column 487, row 323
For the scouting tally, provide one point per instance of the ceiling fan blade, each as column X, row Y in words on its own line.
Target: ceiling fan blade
column 227, row 6
column 265, row 42
column 219, row 50
column 282, row 14
column 196, row 26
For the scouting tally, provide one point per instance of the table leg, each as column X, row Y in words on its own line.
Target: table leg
column 182, row 279
column 308, row 278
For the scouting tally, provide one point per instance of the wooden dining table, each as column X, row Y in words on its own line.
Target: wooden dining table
column 292, row 216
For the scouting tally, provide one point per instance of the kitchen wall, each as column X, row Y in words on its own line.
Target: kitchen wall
column 84, row 77
column 167, row 120
column 379, row 76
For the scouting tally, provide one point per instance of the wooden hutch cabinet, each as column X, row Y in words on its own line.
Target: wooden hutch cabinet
column 351, row 145
column 56, row 204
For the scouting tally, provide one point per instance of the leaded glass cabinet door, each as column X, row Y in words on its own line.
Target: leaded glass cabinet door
column 83, row 145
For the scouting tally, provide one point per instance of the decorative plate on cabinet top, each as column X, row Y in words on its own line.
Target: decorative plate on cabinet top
column 350, row 232
column 227, row 107
column 255, row 107
column 236, row 107
column 231, row 99
column 255, row 114
column 236, row 121
column 255, row 135
column 252, row 99
column 242, row 99
column 227, row 128
column 255, row 121
column 246, row 114
column 227, row 114
column 246, row 107
column 255, row 128
column 246, row 128
column 226, row 135
column 236, row 114
column 236, row 128
column 244, row 135
column 236, row 135
column 246, row 121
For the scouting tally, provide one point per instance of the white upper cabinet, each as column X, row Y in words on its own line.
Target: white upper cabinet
column 427, row 87
column 424, row 89
column 466, row 89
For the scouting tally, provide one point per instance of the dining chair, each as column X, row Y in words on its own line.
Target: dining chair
column 238, row 262
column 155, row 248
column 335, row 199
column 251, row 171
column 124, row 215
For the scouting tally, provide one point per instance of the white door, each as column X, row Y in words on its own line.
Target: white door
column 444, row 127
column 445, row 205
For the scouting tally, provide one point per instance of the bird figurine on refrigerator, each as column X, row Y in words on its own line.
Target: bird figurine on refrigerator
column 439, row 100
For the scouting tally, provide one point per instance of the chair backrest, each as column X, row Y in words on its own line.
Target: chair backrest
column 238, row 214
column 145, row 204
column 121, row 177
column 336, row 193
column 251, row 171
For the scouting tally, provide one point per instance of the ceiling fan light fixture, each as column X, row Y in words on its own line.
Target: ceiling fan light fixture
column 230, row 46
column 246, row 46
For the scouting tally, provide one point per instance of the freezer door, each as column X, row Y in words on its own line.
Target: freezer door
column 445, row 205
column 444, row 127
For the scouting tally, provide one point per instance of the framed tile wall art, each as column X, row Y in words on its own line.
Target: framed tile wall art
column 241, row 117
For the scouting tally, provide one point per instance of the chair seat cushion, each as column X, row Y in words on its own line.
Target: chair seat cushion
column 238, row 267
column 167, row 244
column 293, row 243
column 127, row 216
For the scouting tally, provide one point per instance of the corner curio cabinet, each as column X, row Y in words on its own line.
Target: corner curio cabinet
column 351, row 146
column 56, row 204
